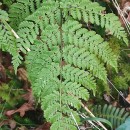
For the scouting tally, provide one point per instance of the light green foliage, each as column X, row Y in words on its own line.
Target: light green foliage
column 121, row 79
column 8, row 40
column 116, row 116
column 63, row 56
column 91, row 12
column 8, row 2
column 8, row 95
column 9, row 98
column 4, row 92
column 3, row 15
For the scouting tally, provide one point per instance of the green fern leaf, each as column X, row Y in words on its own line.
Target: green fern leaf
column 116, row 116
column 63, row 57
column 91, row 12
column 8, row 40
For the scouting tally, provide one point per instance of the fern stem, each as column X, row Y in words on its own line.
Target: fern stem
column 61, row 51
column 92, row 115
column 119, row 92
column 120, row 12
column 75, row 121
column 90, row 122
column 15, row 34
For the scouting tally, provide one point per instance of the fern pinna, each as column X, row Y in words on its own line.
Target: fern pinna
column 63, row 56
column 8, row 39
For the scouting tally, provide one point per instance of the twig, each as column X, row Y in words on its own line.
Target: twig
column 115, row 3
column 119, row 92
column 7, row 25
column 84, row 116
column 14, row 33
column 75, row 121
column 92, row 115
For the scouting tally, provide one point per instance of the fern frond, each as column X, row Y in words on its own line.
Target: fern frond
column 92, row 12
column 75, row 78
column 80, row 76
column 29, row 29
column 32, row 10
column 3, row 15
column 8, row 40
column 75, row 89
column 93, row 42
column 8, row 2
column 116, row 116
column 27, row 35
column 84, row 60
column 56, row 112
column 22, row 9
column 62, row 83
column 63, row 57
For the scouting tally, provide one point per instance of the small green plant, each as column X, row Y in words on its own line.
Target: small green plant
column 125, row 126
column 8, row 39
column 63, row 58
column 116, row 116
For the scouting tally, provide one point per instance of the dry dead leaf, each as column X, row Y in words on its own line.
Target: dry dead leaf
column 126, row 10
column 108, row 1
column 29, row 96
column 22, row 74
column 2, row 73
column 10, row 122
column 115, row 103
column 11, row 69
column 25, row 107
column 125, row 6
column 107, row 97
column 22, row 128
column 45, row 126
column 129, row 90
column 128, row 98
column 4, row 122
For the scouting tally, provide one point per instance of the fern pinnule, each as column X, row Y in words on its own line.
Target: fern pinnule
column 3, row 15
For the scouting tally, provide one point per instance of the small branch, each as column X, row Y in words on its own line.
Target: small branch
column 92, row 115
column 120, row 12
column 119, row 92
column 7, row 25
column 75, row 121
column 93, row 125
column 15, row 34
